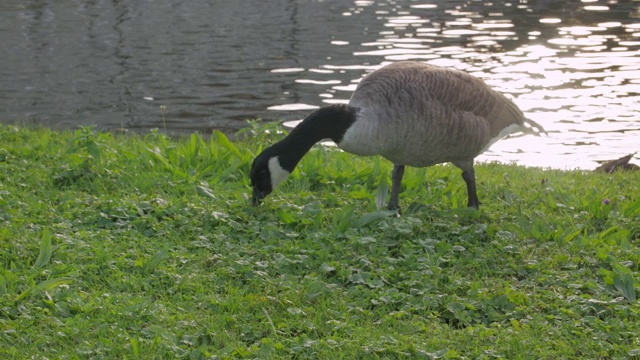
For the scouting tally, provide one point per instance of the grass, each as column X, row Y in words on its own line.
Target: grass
column 127, row 246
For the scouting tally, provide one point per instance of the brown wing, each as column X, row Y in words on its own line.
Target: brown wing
column 400, row 84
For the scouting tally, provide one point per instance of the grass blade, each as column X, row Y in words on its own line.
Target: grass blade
column 224, row 141
column 155, row 152
column 45, row 250
column 135, row 345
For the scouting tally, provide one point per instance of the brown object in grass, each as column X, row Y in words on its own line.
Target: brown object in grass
column 622, row 164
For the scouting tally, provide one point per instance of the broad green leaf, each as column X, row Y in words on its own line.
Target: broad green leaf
column 455, row 307
column 53, row 283
column 205, row 192
column 466, row 212
column 551, row 201
column 382, row 192
column 606, row 233
column 4, row 284
column 573, row 235
column 326, row 268
column 632, row 209
column 286, row 217
column 366, row 240
column 607, row 276
column 194, row 143
column 44, row 286
column 371, row 217
column 345, row 218
column 623, row 281
column 315, row 289
column 93, row 150
column 156, row 259
column 224, row 141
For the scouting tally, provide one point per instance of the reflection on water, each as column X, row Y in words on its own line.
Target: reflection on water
column 571, row 65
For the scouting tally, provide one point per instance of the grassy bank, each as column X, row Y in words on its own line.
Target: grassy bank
column 118, row 246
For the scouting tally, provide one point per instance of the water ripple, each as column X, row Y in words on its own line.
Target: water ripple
column 202, row 65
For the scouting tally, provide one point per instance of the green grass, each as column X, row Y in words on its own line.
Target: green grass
column 145, row 247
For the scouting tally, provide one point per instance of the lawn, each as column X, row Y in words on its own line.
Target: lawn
column 119, row 246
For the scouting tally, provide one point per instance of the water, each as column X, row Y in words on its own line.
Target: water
column 199, row 65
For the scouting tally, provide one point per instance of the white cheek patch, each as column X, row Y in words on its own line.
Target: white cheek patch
column 504, row 132
column 278, row 174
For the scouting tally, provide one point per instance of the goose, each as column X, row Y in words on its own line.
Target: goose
column 411, row 113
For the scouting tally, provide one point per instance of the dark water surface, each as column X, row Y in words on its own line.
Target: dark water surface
column 198, row 65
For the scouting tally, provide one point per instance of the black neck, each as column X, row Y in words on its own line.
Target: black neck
column 330, row 122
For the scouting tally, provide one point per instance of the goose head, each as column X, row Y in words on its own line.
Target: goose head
column 276, row 162
column 266, row 173
column 260, row 180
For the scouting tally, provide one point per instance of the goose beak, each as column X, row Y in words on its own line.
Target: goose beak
column 257, row 196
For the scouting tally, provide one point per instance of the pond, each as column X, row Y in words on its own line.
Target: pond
column 199, row 65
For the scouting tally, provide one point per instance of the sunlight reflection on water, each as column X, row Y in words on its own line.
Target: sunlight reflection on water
column 571, row 65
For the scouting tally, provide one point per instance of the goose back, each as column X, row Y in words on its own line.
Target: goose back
column 417, row 114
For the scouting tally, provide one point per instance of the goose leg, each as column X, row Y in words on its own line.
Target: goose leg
column 396, row 180
column 469, row 176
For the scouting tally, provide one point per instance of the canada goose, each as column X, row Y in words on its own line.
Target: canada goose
column 411, row 113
